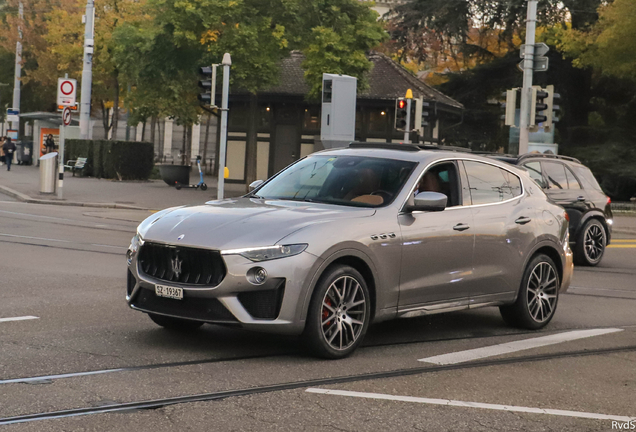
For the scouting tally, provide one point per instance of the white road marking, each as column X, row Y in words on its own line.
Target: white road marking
column 34, row 238
column 109, row 246
column 454, row 403
column 510, row 347
column 22, row 318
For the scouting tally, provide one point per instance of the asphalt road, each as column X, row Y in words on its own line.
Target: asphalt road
column 63, row 268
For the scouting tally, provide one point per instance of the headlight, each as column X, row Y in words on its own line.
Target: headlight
column 134, row 244
column 268, row 252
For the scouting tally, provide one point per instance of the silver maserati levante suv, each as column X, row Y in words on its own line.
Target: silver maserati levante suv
column 351, row 236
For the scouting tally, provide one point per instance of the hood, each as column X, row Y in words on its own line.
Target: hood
column 241, row 222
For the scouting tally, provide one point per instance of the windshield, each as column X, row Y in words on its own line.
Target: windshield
column 344, row 180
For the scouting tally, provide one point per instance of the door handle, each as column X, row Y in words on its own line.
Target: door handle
column 461, row 227
column 523, row 220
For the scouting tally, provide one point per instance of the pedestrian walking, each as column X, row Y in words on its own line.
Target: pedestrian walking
column 49, row 144
column 8, row 148
column 1, row 153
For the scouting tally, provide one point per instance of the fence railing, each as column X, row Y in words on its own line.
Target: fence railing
column 624, row 207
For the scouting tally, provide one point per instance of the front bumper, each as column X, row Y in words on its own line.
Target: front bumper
column 235, row 300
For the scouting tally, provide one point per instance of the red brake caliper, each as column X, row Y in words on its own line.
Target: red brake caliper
column 326, row 312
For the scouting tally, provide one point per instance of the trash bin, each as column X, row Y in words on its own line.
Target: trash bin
column 24, row 152
column 48, row 173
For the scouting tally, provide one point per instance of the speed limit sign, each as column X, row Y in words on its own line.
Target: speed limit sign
column 66, row 116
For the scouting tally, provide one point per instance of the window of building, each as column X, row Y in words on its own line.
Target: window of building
column 378, row 120
column 311, row 119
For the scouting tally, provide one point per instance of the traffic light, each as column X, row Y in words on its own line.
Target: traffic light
column 510, row 106
column 553, row 109
column 401, row 114
column 208, row 84
column 427, row 114
column 539, row 106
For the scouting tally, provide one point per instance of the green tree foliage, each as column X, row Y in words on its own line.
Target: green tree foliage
column 165, row 54
column 609, row 45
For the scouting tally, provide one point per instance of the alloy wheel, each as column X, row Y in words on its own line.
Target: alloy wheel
column 343, row 312
column 542, row 291
column 594, row 242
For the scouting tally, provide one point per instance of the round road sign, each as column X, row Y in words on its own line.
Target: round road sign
column 66, row 116
column 67, row 88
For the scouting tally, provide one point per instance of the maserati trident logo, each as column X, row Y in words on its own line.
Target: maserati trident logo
column 176, row 265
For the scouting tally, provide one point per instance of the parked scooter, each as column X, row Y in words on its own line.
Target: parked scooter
column 201, row 184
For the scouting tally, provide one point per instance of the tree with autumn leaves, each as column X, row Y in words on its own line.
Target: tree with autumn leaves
column 147, row 52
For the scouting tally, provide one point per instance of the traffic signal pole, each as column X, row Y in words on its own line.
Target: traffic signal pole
column 18, row 68
column 526, row 90
column 87, row 71
column 227, row 62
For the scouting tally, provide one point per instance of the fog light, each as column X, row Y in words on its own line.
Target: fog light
column 260, row 275
column 129, row 255
column 257, row 275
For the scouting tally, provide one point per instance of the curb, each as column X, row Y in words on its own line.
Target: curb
column 27, row 199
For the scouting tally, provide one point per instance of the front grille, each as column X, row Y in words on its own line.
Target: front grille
column 184, row 265
column 204, row 309
column 131, row 283
column 264, row 304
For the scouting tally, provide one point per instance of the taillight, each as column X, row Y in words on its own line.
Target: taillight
column 609, row 200
column 567, row 218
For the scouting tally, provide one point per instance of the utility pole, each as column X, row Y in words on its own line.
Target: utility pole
column 87, row 72
column 18, row 69
column 227, row 62
column 528, row 67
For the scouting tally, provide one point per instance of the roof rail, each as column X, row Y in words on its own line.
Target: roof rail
column 407, row 147
column 444, row 148
column 386, row 146
column 547, row 156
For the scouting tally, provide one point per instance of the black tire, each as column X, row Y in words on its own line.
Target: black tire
column 175, row 323
column 204, row 186
column 177, row 186
column 590, row 244
column 344, row 314
column 534, row 309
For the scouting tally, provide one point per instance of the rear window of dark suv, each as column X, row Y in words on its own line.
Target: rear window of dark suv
column 587, row 178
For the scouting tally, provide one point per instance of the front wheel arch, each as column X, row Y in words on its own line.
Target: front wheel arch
column 354, row 258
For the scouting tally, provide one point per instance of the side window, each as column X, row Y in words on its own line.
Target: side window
column 534, row 169
column 442, row 178
column 490, row 184
column 573, row 183
column 555, row 172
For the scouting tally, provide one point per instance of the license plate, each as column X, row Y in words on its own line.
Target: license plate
column 170, row 292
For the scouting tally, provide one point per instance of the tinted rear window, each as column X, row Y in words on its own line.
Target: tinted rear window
column 586, row 177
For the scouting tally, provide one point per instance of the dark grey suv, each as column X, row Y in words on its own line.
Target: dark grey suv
column 572, row 185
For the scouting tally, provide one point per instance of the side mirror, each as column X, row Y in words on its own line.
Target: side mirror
column 256, row 184
column 428, row 201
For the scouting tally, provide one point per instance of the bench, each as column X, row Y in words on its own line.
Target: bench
column 76, row 164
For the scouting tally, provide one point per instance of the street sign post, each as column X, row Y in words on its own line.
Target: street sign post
column 13, row 115
column 66, row 91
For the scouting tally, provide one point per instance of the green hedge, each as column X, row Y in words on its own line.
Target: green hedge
column 106, row 159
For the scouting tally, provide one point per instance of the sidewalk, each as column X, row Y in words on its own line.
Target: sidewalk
column 23, row 184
